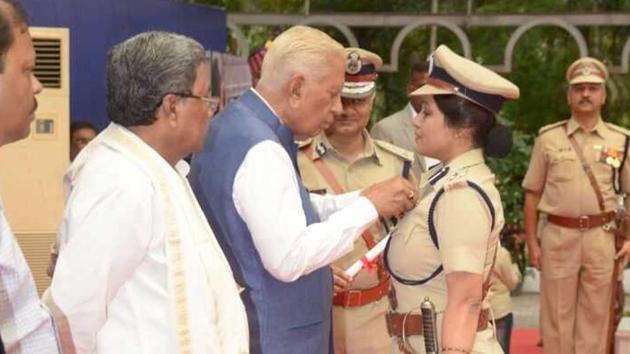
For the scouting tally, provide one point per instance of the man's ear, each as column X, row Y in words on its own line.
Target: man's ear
column 296, row 89
column 168, row 109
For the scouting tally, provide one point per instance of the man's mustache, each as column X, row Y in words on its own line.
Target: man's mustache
column 342, row 118
column 35, row 105
column 585, row 100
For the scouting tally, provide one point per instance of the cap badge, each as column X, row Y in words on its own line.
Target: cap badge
column 586, row 71
column 353, row 63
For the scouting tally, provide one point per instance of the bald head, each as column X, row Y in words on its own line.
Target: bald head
column 299, row 50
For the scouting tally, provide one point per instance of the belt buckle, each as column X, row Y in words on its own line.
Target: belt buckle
column 583, row 223
column 350, row 296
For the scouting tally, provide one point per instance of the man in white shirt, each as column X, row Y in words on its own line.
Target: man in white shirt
column 25, row 326
column 398, row 128
column 139, row 269
column 247, row 182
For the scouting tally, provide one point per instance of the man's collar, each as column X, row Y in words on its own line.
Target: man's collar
column 266, row 103
column 322, row 146
column 573, row 126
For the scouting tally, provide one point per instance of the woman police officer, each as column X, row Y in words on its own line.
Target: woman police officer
column 444, row 249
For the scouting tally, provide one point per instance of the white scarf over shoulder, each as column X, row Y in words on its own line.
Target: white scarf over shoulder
column 192, row 251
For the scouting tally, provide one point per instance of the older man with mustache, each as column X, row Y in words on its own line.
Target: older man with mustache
column 577, row 178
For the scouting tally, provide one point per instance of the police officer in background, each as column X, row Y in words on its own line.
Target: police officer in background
column 345, row 158
column 398, row 128
column 572, row 182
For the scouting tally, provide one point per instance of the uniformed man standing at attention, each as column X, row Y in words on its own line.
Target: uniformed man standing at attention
column 572, row 180
column 345, row 158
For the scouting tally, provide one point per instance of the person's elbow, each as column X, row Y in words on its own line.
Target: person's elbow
column 464, row 290
column 471, row 298
column 281, row 271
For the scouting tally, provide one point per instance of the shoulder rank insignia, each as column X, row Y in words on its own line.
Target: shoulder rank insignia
column 455, row 184
column 321, row 149
column 551, row 126
column 396, row 150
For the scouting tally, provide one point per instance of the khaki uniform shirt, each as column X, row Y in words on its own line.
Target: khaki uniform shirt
column 379, row 161
column 467, row 238
column 556, row 171
column 399, row 130
column 505, row 277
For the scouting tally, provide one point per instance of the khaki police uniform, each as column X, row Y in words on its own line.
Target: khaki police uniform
column 468, row 241
column 456, row 225
column 577, row 264
column 359, row 328
column 505, row 277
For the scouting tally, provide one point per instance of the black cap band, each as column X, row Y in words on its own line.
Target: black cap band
column 489, row 101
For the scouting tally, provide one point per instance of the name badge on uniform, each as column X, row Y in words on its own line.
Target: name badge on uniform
column 609, row 155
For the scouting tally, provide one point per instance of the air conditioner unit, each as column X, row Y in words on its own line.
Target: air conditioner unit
column 31, row 170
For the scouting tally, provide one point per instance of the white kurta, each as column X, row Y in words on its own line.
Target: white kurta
column 267, row 197
column 25, row 325
column 139, row 269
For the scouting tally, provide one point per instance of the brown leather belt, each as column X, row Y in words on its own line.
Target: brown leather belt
column 584, row 222
column 413, row 323
column 356, row 298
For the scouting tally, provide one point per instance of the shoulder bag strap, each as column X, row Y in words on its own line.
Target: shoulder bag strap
column 587, row 169
column 329, row 177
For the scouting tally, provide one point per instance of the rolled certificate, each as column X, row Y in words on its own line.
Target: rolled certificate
column 366, row 260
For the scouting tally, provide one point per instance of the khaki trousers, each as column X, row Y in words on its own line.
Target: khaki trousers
column 361, row 330
column 576, row 284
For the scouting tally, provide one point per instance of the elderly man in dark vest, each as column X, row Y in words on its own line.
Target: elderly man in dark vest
column 278, row 238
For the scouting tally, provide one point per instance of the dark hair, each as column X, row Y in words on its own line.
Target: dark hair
column 16, row 17
column 145, row 68
column 78, row 125
column 421, row 66
column 495, row 139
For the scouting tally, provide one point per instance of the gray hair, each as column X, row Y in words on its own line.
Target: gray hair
column 300, row 49
column 146, row 67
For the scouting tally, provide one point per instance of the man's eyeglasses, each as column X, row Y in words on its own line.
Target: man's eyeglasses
column 211, row 101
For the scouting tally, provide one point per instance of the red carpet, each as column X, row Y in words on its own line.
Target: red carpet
column 524, row 341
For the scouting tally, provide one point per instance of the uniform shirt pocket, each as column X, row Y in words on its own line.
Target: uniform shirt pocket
column 563, row 163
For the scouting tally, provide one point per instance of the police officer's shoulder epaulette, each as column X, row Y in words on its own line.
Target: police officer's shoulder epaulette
column 455, row 181
column 549, row 127
column 396, row 150
column 618, row 129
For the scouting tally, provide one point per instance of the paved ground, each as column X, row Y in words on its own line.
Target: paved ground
column 526, row 307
